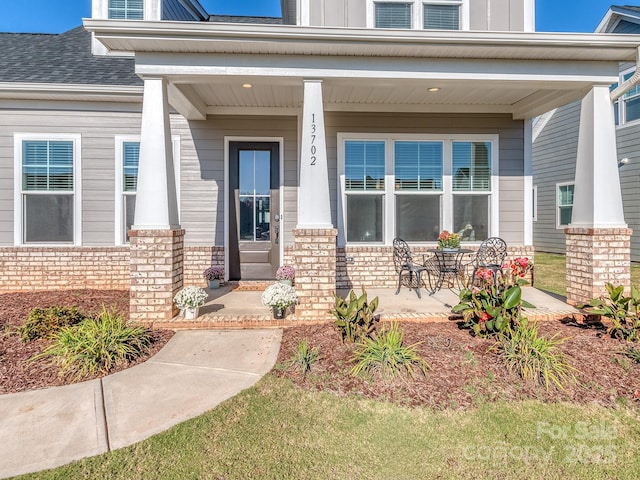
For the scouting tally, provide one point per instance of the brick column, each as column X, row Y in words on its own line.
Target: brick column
column 156, row 273
column 315, row 261
column 596, row 256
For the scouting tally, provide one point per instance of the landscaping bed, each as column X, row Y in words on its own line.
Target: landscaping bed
column 466, row 371
column 17, row 374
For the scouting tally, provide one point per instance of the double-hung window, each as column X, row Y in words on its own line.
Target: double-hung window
column 414, row 186
column 126, row 9
column 564, row 204
column 627, row 107
column 47, row 187
column 417, row 14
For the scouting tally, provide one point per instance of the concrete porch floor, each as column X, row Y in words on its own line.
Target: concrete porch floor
column 232, row 307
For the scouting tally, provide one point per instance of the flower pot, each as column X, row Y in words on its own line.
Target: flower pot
column 191, row 313
column 214, row 283
column 286, row 281
column 450, row 249
column 278, row 313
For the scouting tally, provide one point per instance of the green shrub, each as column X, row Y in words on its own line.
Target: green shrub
column 355, row 318
column 624, row 312
column 533, row 357
column 95, row 346
column 633, row 353
column 45, row 322
column 387, row 354
column 304, row 357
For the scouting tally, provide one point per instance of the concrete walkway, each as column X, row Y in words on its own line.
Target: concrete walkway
column 193, row 373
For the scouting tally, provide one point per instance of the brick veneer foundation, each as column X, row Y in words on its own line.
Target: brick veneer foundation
column 157, row 261
column 596, row 256
column 64, row 268
column 197, row 259
column 314, row 256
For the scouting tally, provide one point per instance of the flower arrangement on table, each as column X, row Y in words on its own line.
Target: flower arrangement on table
column 286, row 272
column 447, row 239
column 190, row 297
column 279, row 296
column 215, row 272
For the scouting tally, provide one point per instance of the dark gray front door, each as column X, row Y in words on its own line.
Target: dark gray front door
column 254, row 207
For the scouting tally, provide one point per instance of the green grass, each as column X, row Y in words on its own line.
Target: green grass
column 277, row 431
column 551, row 271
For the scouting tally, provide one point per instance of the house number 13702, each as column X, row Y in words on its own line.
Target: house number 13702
column 313, row 139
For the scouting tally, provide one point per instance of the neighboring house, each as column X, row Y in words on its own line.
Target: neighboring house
column 555, row 144
column 313, row 140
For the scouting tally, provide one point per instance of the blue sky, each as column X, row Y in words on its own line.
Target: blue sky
column 55, row 16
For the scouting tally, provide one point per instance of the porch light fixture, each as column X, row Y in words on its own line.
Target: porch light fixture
column 623, row 161
column 434, row 89
column 247, row 85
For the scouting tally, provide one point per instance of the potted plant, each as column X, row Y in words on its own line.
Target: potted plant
column 279, row 297
column 213, row 275
column 448, row 241
column 190, row 299
column 286, row 274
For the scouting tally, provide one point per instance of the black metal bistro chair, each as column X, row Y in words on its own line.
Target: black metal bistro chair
column 490, row 256
column 404, row 263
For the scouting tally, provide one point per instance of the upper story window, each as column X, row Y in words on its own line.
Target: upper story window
column 126, row 9
column 627, row 107
column 417, row 14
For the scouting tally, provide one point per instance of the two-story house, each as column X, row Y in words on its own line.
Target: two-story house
column 311, row 140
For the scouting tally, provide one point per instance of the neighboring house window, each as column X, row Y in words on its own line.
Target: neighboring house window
column 127, row 158
column 627, row 107
column 414, row 186
column 565, row 203
column 126, row 9
column 417, row 14
column 48, row 189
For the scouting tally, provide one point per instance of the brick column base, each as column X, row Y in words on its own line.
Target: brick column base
column 157, row 260
column 595, row 257
column 314, row 256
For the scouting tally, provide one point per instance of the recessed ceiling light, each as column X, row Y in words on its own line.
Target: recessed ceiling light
column 434, row 89
column 247, row 85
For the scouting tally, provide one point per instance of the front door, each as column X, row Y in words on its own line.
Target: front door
column 254, row 208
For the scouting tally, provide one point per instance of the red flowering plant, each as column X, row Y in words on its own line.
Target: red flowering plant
column 448, row 240
column 493, row 305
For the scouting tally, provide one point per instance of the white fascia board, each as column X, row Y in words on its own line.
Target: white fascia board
column 238, row 38
column 613, row 17
column 71, row 92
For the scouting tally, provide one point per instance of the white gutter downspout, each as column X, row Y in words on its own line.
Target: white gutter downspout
column 631, row 82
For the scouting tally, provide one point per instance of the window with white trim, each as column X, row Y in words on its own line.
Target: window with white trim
column 564, row 204
column 417, row 14
column 627, row 107
column 126, row 9
column 47, row 188
column 127, row 158
column 415, row 186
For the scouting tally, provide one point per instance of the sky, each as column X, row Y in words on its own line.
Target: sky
column 55, row 16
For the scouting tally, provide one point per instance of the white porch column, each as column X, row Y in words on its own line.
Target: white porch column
column 597, row 200
column 314, row 208
column 156, row 200
column 598, row 240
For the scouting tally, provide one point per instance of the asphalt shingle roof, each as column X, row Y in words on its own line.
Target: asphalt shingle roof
column 61, row 58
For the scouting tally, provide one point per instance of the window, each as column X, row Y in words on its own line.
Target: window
column 627, row 107
column 126, row 9
column 414, row 186
column 564, row 203
column 47, row 204
column 418, row 14
column 127, row 157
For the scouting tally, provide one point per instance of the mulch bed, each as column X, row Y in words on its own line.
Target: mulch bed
column 16, row 373
column 465, row 370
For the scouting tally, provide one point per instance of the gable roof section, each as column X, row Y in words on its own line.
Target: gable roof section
column 620, row 19
column 61, row 59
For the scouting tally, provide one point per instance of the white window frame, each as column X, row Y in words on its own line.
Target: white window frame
column 389, row 192
column 622, row 103
column 559, row 226
column 417, row 10
column 18, row 211
column 120, row 238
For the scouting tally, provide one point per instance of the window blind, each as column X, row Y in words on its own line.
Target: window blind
column 130, row 158
column 441, row 17
column 47, row 165
column 418, row 165
column 364, row 165
column 393, row 15
column 126, row 9
column 472, row 166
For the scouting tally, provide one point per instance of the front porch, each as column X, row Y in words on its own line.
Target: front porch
column 233, row 306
